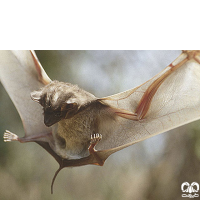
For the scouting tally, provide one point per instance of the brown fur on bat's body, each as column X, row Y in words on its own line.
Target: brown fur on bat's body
column 75, row 115
column 79, row 119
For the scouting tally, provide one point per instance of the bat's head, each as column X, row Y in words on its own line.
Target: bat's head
column 61, row 101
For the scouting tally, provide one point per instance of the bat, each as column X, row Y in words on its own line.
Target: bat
column 77, row 128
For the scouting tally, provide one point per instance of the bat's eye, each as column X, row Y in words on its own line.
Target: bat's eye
column 57, row 114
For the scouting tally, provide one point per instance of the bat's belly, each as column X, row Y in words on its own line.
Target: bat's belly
column 72, row 138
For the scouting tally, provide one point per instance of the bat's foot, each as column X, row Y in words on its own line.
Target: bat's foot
column 95, row 138
column 9, row 136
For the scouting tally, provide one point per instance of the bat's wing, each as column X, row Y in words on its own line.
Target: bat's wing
column 20, row 74
column 168, row 100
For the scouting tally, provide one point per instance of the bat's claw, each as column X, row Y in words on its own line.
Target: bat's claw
column 95, row 138
column 9, row 136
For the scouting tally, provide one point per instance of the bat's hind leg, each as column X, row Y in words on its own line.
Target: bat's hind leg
column 95, row 138
column 9, row 136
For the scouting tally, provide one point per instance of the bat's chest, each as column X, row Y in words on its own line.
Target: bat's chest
column 72, row 136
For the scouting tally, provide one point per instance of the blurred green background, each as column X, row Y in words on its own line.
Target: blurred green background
column 152, row 169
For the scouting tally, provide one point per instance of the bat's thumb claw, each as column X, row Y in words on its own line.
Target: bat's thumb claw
column 9, row 136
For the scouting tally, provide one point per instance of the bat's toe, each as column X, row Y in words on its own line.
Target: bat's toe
column 9, row 136
column 95, row 138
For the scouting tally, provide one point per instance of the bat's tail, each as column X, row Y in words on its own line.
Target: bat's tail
column 53, row 180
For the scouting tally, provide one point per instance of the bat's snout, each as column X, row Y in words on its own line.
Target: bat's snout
column 49, row 120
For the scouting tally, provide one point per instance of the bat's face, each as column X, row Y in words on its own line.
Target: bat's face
column 60, row 101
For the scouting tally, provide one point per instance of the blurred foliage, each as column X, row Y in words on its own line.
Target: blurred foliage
column 152, row 169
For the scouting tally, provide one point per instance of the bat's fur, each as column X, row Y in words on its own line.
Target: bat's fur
column 74, row 115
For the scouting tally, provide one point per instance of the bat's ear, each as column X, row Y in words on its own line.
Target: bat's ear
column 70, row 108
column 69, row 105
column 36, row 96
